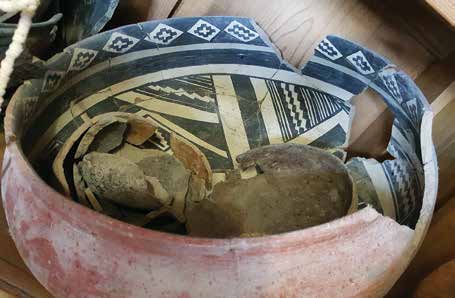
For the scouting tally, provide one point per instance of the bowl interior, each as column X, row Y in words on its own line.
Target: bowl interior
column 219, row 83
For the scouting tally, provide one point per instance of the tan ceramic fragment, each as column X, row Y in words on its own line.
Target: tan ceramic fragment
column 172, row 175
column 93, row 200
column 104, row 136
column 299, row 187
column 160, row 192
column 118, row 179
column 139, row 131
column 196, row 189
column 284, row 158
column 57, row 165
column 133, row 153
column 192, row 158
column 62, row 155
column 79, row 186
column 268, row 204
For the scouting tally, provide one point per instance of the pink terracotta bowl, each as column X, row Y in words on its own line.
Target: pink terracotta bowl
column 199, row 78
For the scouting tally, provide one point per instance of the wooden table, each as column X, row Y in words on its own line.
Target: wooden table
column 445, row 8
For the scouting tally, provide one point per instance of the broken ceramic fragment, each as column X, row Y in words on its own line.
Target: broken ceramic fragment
column 102, row 133
column 134, row 153
column 298, row 187
column 174, row 177
column 93, row 200
column 287, row 158
column 120, row 180
column 79, row 186
column 139, row 131
column 192, row 158
column 103, row 136
column 197, row 190
column 108, row 138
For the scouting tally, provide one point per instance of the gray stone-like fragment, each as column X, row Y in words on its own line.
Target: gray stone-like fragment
column 118, row 179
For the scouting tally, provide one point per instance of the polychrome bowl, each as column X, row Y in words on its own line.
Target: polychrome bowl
column 219, row 83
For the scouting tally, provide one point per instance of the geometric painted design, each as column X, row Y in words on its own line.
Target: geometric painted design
column 294, row 106
column 81, row 58
column 326, row 48
column 204, row 30
column 389, row 80
column 360, row 170
column 404, row 183
column 180, row 92
column 402, row 180
column 216, row 102
column 159, row 140
column 280, row 111
column 120, row 43
column 52, row 80
column 299, row 109
column 360, row 62
column 413, row 109
column 163, row 34
column 202, row 83
column 320, row 106
column 53, row 148
column 240, row 31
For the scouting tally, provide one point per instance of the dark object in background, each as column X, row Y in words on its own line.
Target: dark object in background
column 40, row 40
column 82, row 19
column 48, row 35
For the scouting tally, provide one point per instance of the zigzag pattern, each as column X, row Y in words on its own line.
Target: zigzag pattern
column 294, row 106
column 406, row 196
column 180, row 92
column 404, row 185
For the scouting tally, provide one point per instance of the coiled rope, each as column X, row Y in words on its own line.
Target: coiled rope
column 27, row 8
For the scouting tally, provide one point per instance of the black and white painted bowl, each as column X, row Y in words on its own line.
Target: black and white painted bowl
column 220, row 83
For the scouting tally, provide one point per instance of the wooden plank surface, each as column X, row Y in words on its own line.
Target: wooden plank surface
column 135, row 11
column 444, row 140
column 4, row 294
column 423, row 25
column 445, row 8
column 370, row 107
column 159, row 9
column 437, row 249
column 296, row 26
column 19, row 282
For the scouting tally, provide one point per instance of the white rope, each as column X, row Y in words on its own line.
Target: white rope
column 28, row 8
